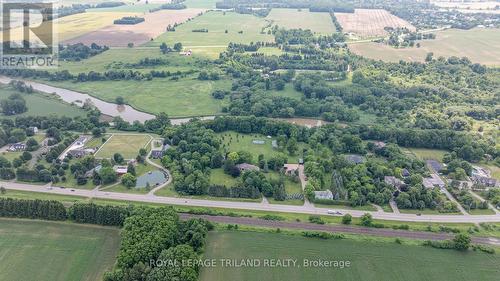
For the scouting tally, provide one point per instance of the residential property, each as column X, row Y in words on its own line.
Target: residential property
column 90, row 172
column 34, row 129
column 405, row 173
column 274, row 144
column 379, row 144
column 323, row 195
column 243, row 167
column 392, row 180
column 433, row 181
column 290, row 169
column 435, row 165
column 158, row 153
column 356, row 159
column 77, row 153
column 17, row 147
column 120, row 170
column 485, row 181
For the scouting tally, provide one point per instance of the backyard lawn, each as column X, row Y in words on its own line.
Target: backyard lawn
column 127, row 145
column 40, row 250
column 233, row 141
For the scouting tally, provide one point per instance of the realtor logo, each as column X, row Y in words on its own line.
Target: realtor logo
column 28, row 34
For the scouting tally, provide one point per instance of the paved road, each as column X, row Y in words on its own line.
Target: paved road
column 244, row 205
column 339, row 228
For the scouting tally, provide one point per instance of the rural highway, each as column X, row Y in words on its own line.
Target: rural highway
column 310, row 209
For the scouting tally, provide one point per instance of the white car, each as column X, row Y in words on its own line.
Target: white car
column 333, row 212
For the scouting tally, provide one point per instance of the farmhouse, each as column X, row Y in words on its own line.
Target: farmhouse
column 158, row 153
column 405, row 173
column 356, row 159
column 391, row 180
column 435, row 165
column 243, row 167
column 78, row 153
column 17, row 147
column 323, row 195
column 274, row 144
column 90, row 173
column 258, row 142
column 120, row 170
column 484, row 181
column 290, row 169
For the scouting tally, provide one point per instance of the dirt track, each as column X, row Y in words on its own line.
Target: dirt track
column 338, row 228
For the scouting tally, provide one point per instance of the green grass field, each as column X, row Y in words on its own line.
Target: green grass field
column 125, row 58
column 183, row 98
column 233, row 141
column 320, row 23
column 127, row 145
column 217, row 176
column 208, row 4
column 479, row 45
column 427, row 154
column 217, row 23
column 38, row 250
column 369, row 260
column 42, row 105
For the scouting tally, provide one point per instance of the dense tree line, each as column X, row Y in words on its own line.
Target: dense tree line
column 99, row 214
column 32, row 209
column 79, row 51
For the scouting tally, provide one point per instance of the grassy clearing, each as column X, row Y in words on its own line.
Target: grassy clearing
column 320, row 23
column 127, row 145
column 207, row 4
column 38, row 250
column 125, row 58
column 288, row 92
column 479, row 45
column 217, row 176
column 369, row 260
column 233, row 141
column 481, row 212
column 427, row 154
column 42, row 105
column 217, row 23
column 183, row 98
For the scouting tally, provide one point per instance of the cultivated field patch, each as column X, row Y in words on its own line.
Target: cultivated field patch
column 320, row 23
column 221, row 31
column 480, row 45
column 121, row 35
column 79, row 24
column 368, row 260
column 127, row 145
column 51, row 251
column 370, row 22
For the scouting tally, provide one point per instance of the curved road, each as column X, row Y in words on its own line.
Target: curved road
column 151, row 198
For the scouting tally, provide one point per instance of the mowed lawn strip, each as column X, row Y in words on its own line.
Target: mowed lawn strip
column 127, row 145
column 52, row 251
column 369, row 260
column 320, row 23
